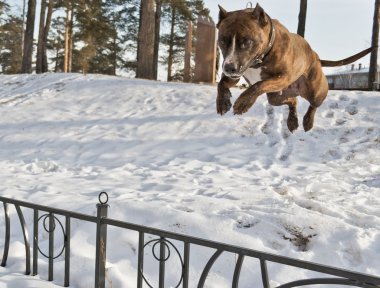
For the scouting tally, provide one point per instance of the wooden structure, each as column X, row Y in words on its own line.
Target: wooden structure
column 205, row 51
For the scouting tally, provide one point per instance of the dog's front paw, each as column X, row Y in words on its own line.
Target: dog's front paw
column 242, row 104
column 223, row 102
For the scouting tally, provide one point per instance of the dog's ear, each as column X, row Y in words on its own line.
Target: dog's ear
column 259, row 14
column 222, row 14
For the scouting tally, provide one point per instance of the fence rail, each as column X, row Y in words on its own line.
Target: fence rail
column 163, row 243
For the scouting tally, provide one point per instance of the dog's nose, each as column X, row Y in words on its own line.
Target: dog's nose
column 231, row 68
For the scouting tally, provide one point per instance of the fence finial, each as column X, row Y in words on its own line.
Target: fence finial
column 103, row 198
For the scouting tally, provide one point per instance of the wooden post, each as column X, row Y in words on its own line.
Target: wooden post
column 302, row 18
column 101, row 246
column 205, row 53
column 188, row 48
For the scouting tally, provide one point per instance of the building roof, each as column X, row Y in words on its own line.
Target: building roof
column 348, row 70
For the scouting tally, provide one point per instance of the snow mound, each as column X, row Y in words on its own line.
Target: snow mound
column 169, row 161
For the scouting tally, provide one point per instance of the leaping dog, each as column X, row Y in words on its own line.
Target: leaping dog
column 254, row 45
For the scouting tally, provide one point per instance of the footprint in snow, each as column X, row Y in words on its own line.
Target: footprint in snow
column 352, row 109
column 58, row 87
column 328, row 114
column 287, row 141
column 340, row 122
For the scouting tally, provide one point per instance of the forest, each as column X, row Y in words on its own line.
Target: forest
column 96, row 36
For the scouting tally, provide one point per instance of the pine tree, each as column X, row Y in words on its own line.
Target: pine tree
column 56, row 42
column 69, row 7
column 41, row 63
column 28, row 38
column 122, row 16
column 157, row 28
column 10, row 43
column 4, row 10
column 177, row 13
column 91, row 25
column 145, row 51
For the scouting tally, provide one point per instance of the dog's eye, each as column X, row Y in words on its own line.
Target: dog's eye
column 223, row 41
column 246, row 43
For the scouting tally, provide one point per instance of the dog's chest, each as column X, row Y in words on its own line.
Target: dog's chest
column 252, row 75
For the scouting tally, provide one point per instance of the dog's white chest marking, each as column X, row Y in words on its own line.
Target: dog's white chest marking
column 252, row 75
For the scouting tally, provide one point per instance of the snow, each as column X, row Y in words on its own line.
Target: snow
column 167, row 160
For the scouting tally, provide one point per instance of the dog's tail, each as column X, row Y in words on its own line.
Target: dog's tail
column 353, row 58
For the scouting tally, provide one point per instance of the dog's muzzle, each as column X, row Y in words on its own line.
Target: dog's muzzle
column 232, row 70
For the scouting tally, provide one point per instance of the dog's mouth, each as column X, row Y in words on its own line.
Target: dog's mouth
column 233, row 76
column 237, row 75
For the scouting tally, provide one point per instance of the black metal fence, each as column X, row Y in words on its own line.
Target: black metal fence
column 162, row 248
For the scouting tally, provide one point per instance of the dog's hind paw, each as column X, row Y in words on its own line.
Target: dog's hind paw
column 308, row 124
column 292, row 122
column 308, row 119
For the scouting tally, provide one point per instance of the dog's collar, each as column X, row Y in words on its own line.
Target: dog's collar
column 257, row 61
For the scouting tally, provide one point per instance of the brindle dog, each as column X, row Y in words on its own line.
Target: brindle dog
column 254, row 44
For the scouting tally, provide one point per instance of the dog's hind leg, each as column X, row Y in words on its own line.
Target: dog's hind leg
column 287, row 97
column 314, row 90
column 308, row 119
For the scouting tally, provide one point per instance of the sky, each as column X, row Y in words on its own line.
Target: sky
column 335, row 29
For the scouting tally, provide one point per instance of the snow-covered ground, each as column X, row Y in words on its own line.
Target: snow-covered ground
column 167, row 160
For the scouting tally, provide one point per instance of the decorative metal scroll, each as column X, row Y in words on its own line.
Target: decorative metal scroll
column 165, row 245
column 49, row 229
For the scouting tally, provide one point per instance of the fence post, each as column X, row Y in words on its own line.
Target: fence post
column 101, row 241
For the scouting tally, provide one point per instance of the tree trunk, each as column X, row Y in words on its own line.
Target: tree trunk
column 28, row 38
column 171, row 45
column 372, row 75
column 40, row 45
column 188, row 49
column 157, row 36
column 302, row 18
column 71, row 29
column 145, row 49
column 45, row 67
column 115, row 50
column 56, row 58
column 23, row 27
column 66, row 55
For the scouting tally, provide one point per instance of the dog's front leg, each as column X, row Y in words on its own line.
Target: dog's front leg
column 249, row 96
column 223, row 102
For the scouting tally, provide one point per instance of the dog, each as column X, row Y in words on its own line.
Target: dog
column 255, row 46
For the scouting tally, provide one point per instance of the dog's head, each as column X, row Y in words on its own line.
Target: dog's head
column 243, row 37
